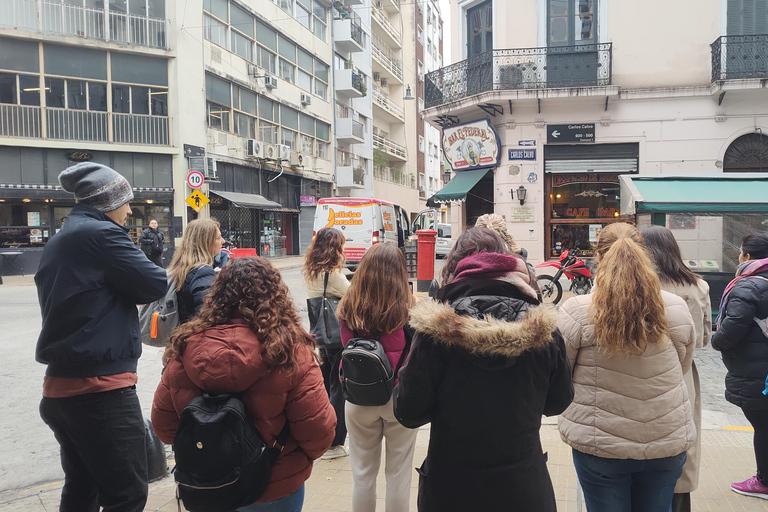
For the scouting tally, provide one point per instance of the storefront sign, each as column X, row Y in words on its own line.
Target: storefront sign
column 79, row 155
column 526, row 143
column 570, row 133
column 472, row 145
column 522, row 154
column 308, row 201
column 522, row 214
column 589, row 177
column 197, row 200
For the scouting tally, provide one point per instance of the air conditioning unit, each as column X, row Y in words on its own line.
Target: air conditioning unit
column 384, row 82
column 283, row 152
column 270, row 82
column 306, row 99
column 255, row 148
column 210, row 168
column 376, row 76
column 297, row 159
column 270, row 151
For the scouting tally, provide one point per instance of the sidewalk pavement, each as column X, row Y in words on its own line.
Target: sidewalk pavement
column 727, row 456
column 282, row 263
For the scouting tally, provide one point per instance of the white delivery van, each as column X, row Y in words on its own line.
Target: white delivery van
column 364, row 222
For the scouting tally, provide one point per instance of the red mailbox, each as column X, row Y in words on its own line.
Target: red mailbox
column 425, row 271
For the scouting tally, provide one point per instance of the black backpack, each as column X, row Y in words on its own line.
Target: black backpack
column 222, row 462
column 366, row 375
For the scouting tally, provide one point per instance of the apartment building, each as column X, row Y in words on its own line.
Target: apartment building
column 82, row 81
column 549, row 101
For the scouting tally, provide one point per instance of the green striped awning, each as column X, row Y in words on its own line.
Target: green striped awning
column 460, row 185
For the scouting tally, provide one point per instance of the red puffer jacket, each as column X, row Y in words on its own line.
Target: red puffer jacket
column 227, row 359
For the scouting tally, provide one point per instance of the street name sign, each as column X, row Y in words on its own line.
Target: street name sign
column 522, row 154
column 570, row 133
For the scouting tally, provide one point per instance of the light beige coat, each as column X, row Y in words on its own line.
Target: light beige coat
column 700, row 307
column 337, row 285
column 628, row 406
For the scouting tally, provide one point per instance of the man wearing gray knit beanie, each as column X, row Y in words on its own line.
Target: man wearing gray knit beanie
column 91, row 277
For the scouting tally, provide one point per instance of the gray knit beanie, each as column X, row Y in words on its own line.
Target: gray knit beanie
column 97, row 185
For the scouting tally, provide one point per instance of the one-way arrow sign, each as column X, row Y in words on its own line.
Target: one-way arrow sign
column 571, row 133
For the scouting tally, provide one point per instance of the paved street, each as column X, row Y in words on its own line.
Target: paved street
column 30, row 474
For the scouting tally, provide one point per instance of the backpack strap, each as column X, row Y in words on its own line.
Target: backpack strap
column 279, row 443
column 408, row 332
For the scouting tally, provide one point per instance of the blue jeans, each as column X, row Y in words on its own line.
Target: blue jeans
column 628, row 485
column 291, row 503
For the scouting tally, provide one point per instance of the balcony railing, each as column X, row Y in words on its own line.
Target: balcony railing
column 739, row 57
column 63, row 19
column 83, row 125
column 394, row 175
column 381, row 99
column 381, row 18
column 527, row 68
column 388, row 58
column 389, row 147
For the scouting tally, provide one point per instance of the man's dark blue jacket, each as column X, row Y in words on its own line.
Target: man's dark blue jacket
column 90, row 279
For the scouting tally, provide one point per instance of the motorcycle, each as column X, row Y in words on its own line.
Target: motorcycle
column 573, row 268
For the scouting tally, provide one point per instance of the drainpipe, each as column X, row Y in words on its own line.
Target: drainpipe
column 333, row 148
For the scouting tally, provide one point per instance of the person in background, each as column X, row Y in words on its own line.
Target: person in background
column 487, row 362
column 152, row 242
column 629, row 344
column 248, row 339
column 377, row 305
column 325, row 255
column 91, row 277
column 192, row 265
column 742, row 338
column 678, row 279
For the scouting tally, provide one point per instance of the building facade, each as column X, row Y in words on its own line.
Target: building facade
column 578, row 95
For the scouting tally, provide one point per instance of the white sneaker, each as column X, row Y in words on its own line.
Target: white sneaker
column 335, row 452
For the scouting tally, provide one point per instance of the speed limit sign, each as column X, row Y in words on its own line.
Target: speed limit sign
column 195, row 179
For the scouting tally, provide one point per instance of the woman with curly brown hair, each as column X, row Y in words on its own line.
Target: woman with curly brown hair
column 248, row 339
column 629, row 344
column 377, row 306
column 322, row 272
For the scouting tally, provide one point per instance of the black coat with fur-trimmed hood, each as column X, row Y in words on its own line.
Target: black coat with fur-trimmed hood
column 486, row 363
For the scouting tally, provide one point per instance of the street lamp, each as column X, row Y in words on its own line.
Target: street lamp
column 408, row 95
column 521, row 193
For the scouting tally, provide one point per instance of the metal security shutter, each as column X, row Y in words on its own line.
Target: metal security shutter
column 623, row 165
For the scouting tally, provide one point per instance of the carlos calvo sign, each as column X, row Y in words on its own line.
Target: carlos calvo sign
column 471, row 145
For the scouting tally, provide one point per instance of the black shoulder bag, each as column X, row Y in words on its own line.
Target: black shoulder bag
column 323, row 322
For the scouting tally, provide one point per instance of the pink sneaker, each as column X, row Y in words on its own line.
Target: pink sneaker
column 751, row 487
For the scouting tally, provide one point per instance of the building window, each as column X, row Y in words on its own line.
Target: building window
column 266, row 59
column 287, row 71
column 215, row 31
column 421, row 143
column 571, row 22
column 480, row 29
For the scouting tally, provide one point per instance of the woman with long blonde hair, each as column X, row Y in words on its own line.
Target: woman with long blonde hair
column 629, row 345
column 377, row 305
column 192, row 265
column 322, row 273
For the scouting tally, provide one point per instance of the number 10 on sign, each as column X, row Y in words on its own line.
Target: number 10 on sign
column 195, row 179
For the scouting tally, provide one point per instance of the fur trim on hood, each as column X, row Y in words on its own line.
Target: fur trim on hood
column 486, row 337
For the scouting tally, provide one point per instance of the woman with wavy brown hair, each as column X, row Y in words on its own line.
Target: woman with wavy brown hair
column 629, row 344
column 248, row 339
column 325, row 259
column 377, row 305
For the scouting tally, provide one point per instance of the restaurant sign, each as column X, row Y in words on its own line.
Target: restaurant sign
column 472, row 145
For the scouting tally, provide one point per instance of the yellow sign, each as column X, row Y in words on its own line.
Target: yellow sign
column 197, row 200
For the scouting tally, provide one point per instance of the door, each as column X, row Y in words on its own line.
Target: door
column 572, row 57
column 479, row 48
column 746, row 57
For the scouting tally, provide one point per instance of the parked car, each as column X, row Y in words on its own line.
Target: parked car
column 444, row 243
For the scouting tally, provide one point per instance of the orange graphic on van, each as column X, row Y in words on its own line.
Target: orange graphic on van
column 343, row 219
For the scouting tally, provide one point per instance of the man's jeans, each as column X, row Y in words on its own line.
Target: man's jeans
column 628, row 485
column 103, row 452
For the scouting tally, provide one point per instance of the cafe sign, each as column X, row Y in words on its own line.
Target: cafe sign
column 472, row 145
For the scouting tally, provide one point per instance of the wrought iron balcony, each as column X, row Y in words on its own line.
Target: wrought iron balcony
column 739, row 57
column 63, row 19
column 83, row 125
column 526, row 68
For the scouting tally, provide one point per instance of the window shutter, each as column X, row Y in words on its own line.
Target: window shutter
column 735, row 26
column 761, row 16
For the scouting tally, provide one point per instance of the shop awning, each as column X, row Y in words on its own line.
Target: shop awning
column 247, row 200
column 461, row 183
column 703, row 193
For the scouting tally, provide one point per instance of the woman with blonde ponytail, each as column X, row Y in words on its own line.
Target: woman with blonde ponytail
column 629, row 344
